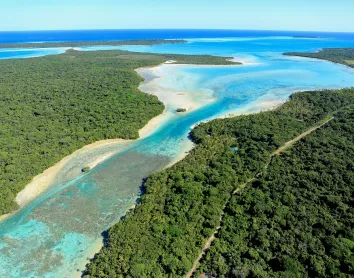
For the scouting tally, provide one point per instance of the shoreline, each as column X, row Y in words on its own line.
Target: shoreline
column 90, row 254
column 44, row 180
column 255, row 107
column 172, row 99
column 150, row 76
column 153, row 124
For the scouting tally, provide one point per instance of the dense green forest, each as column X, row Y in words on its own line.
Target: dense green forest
column 54, row 105
column 85, row 43
column 343, row 56
column 182, row 205
column 297, row 220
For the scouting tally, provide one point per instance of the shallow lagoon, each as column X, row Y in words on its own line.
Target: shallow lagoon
column 52, row 236
column 21, row 53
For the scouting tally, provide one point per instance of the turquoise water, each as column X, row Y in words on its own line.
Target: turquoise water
column 52, row 236
column 12, row 53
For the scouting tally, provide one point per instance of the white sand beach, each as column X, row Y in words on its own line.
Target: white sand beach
column 172, row 99
column 255, row 107
column 153, row 124
column 90, row 254
column 42, row 181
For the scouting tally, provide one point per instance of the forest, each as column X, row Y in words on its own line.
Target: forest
column 86, row 43
column 297, row 220
column 54, row 105
column 181, row 207
column 343, row 56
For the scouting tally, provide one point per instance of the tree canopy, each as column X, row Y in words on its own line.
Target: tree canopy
column 182, row 205
column 87, row 43
column 54, row 105
column 343, row 56
column 297, row 220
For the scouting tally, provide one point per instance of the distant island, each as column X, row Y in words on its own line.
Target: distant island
column 343, row 56
column 306, row 37
column 86, row 43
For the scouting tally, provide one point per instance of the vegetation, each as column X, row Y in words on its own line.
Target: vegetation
column 86, row 43
column 297, row 220
column 343, row 56
column 181, row 110
column 85, row 169
column 54, row 105
column 182, row 205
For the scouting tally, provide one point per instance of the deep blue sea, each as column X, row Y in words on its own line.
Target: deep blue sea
column 53, row 235
column 107, row 35
column 112, row 35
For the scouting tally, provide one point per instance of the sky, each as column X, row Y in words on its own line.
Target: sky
column 302, row 15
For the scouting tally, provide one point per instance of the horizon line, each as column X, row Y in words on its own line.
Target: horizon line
column 172, row 29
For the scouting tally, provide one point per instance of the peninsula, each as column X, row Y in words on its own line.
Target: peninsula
column 54, row 105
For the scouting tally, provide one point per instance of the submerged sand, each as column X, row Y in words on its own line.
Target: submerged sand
column 172, row 98
column 42, row 181
column 98, row 152
column 256, row 107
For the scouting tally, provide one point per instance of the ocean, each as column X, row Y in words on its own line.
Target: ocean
column 107, row 35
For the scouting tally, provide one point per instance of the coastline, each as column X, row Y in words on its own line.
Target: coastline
column 172, row 99
column 44, row 180
column 168, row 97
column 255, row 107
column 153, row 124
column 90, row 254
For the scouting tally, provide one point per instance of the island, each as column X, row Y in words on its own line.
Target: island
column 344, row 56
column 88, row 43
column 54, row 105
column 263, row 210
